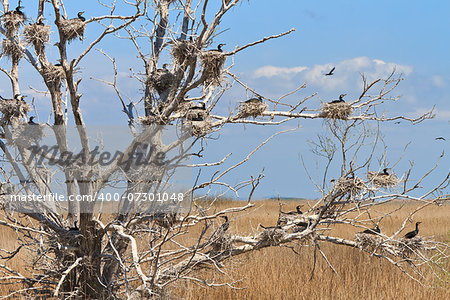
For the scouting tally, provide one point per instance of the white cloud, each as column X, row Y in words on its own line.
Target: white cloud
column 273, row 71
column 438, row 81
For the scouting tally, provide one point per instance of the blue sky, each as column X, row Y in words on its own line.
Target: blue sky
column 369, row 37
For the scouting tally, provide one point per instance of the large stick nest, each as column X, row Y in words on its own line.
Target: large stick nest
column 336, row 111
column 200, row 128
column 72, row 29
column 350, row 185
column 37, row 35
column 12, row 21
column 381, row 180
column 184, row 52
column 54, row 74
column 408, row 246
column 367, row 241
column 153, row 119
column 12, row 49
column 12, row 111
column 161, row 81
column 213, row 62
column 252, row 109
column 26, row 134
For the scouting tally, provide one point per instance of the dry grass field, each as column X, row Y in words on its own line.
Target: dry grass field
column 279, row 273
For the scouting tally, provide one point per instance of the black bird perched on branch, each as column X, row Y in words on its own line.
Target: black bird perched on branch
column 413, row 233
column 385, row 172
column 258, row 99
column 341, row 99
column 372, row 231
column 440, row 138
column 80, row 16
column 31, row 122
column 19, row 97
column 331, row 72
column 219, row 48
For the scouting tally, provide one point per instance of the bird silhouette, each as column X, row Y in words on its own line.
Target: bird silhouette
column 374, row 230
column 413, row 233
column 219, row 48
column 331, row 72
column 440, row 138
column 80, row 16
column 341, row 99
column 31, row 122
column 258, row 99
column 398, row 122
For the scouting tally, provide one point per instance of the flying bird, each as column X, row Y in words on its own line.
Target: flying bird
column 440, row 138
column 331, row 72
column 341, row 99
column 398, row 122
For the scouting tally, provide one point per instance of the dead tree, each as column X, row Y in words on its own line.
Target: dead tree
column 142, row 251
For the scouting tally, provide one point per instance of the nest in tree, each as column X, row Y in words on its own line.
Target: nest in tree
column 184, row 52
column 213, row 62
column 368, row 242
column 12, row 49
column 182, row 109
column 153, row 119
column 407, row 246
column 382, row 180
column 252, row 109
column 13, row 110
column 161, row 80
column 54, row 74
column 350, row 185
column 271, row 236
column 12, row 21
column 220, row 244
column 37, row 35
column 72, row 29
column 336, row 111
column 26, row 134
column 200, row 128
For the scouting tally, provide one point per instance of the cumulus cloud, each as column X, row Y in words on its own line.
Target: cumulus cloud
column 273, row 71
column 347, row 73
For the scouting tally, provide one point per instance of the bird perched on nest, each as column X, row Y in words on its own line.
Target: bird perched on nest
column 31, row 122
column 413, row 233
column 331, row 72
column 39, row 21
column 384, row 173
column 296, row 212
column 225, row 225
column 256, row 100
column 372, row 231
column 219, row 48
column 195, row 111
column 341, row 99
column 19, row 97
column 80, row 16
column 164, row 68
column 19, row 12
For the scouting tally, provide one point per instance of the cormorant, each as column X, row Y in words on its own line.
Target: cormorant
column 413, row 233
column 385, row 172
column 80, row 16
column 39, row 21
column 19, row 12
column 164, row 68
column 75, row 228
column 296, row 212
column 258, row 99
column 372, row 231
column 31, row 122
column 219, row 48
column 440, row 138
column 341, row 99
column 398, row 122
column 19, row 97
column 331, row 72
column 225, row 225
